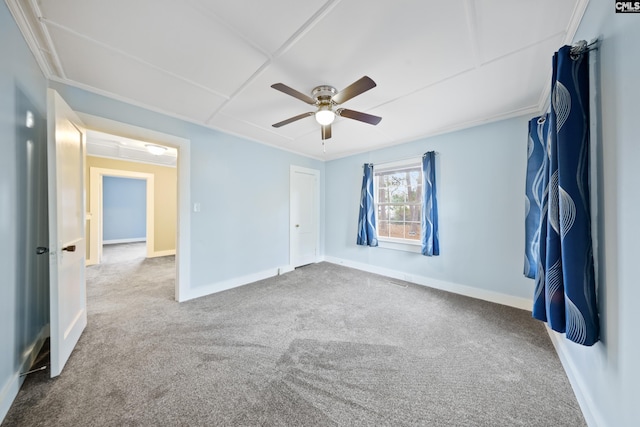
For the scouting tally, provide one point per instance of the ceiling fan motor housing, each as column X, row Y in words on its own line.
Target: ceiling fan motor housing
column 323, row 94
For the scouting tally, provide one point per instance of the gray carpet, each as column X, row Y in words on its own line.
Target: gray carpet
column 123, row 252
column 323, row 345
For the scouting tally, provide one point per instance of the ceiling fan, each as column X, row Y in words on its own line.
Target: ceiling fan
column 326, row 98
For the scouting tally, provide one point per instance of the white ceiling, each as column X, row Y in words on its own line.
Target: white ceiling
column 439, row 65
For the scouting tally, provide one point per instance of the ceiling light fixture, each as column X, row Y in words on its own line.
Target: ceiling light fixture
column 325, row 115
column 325, row 99
column 156, row 150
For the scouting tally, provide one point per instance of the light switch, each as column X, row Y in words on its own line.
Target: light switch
column 196, row 207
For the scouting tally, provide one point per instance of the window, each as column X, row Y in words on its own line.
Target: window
column 398, row 200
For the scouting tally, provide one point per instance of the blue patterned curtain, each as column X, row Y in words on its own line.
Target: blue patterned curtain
column 536, row 152
column 367, row 235
column 565, row 292
column 430, row 240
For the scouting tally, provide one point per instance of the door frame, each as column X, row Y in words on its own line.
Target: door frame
column 183, row 229
column 292, row 174
column 96, row 210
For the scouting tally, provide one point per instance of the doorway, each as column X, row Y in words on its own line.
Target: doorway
column 95, row 216
column 124, row 212
column 183, row 220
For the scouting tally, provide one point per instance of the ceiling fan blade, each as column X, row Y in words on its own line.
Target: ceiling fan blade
column 355, row 89
column 326, row 132
column 357, row 115
column 293, row 119
column 292, row 92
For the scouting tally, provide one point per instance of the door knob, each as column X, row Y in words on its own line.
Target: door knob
column 70, row 248
column 297, row 225
column 41, row 250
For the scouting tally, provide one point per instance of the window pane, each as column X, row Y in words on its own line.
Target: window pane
column 383, row 195
column 398, row 193
column 383, row 213
column 383, row 228
column 415, row 178
column 412, row 230
column 413, row 181
column 415, row 196
column 403, row 211
column 391, row 212
column 413, row 213
column 396, row 229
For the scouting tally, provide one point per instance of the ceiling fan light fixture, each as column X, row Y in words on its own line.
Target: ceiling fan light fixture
column 325, row 116
column 326, row 98
column 156, row 150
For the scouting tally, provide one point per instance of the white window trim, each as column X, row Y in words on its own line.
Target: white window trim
column 405, row 245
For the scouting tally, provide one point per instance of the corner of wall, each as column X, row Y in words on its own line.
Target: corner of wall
column 225, row 285
column 10, row 389
column 456, row 288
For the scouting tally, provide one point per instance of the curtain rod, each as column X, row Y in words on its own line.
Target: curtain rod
column 419, row 156
column 582, row 46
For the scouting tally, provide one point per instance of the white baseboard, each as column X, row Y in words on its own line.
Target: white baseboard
column 592, row 416
column 12, row 386
column 224, row 285
column 456, row 288
column 285, row 269
column 132, row 240
column 496, row 297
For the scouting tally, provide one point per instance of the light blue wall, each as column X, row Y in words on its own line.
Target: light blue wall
column 480, row 200
column 124, row 209
column 24, row 291
column 608, row 374
column 242, row 187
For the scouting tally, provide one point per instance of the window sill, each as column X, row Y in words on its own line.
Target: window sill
column 400, row 246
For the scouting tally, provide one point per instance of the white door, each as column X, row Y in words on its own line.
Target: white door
column 67, row 288
column 304, row 213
